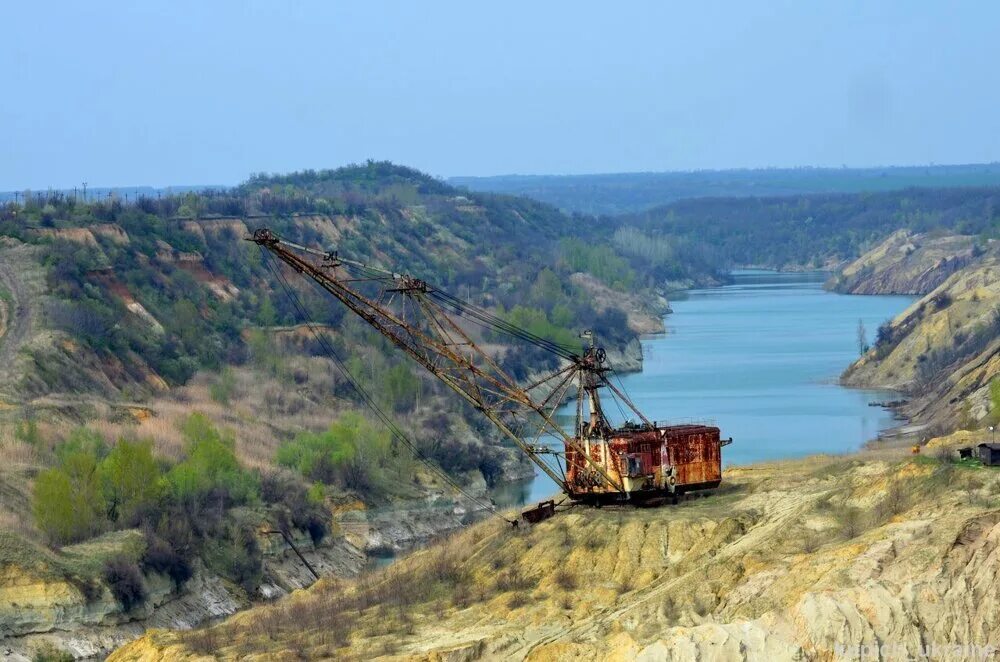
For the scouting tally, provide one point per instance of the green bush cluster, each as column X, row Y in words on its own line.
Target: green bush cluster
column 210, row 468
column 598, row 259
column 187, row 509
column 537, row 322
column 93, row 488
column 351, row 453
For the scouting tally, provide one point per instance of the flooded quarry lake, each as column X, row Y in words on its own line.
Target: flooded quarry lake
column 759, row 358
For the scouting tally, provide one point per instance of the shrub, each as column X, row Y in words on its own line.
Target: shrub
column 223, row 388
column 565, row 580
column 851, row 522
column 513, row 580
column 27, row 432
column 348, row 453
column 942, row 301
column 296, row 506
column 124, row 579
column 48, row 652
column 160, row 556
column 236, row 556
column 885, row 336
column 516, row 600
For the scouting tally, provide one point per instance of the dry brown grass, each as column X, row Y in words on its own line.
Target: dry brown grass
column 17, row 521
column 320, row 622
column 16, row 454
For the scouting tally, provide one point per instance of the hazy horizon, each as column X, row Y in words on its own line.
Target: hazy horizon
column 181, row 93
column 197, row 186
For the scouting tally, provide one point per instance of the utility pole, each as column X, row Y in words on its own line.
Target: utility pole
column 84, row 191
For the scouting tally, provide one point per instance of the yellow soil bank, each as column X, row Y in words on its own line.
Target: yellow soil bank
column 789, row 561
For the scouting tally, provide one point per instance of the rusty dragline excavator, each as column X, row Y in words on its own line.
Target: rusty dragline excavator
column 639, row 462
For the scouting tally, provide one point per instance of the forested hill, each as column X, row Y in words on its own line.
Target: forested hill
column 151, row 292
column 624, row 193
column 808, row 230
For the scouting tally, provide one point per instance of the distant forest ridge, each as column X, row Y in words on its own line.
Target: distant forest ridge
column 610, row 194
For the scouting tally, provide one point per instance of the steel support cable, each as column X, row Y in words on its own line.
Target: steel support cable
column 485, row 318
column 503, row 326
column 368, row 400
column 489, row 318
column 478, row 314
column 624, row 395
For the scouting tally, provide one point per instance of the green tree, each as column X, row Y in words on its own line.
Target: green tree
column 186, row 321
column 68, row 502
column 995, row 400
column 266, row 314
column 130, row 478
column 547, row 289
column 210, row 464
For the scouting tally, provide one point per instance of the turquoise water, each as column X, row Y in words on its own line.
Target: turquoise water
column 759, row 358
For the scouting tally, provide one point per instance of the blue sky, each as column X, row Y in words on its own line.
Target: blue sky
column 158, row 93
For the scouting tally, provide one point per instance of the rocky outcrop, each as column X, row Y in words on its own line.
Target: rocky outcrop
column 627, row 358
column 37, row 607
column 644, row 316
column 906, row 263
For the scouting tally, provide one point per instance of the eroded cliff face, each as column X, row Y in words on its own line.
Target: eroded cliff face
column 790, row 561
column 944, row 350
column 906, row 263
column 38, row 604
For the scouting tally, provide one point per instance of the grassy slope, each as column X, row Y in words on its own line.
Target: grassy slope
column 789, row 559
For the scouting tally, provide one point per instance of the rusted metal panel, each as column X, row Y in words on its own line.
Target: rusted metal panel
column 692, row 450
